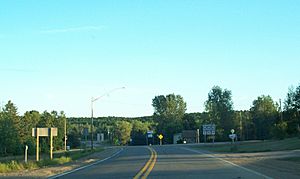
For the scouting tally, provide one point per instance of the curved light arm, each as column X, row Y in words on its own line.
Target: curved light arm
column 105, row 94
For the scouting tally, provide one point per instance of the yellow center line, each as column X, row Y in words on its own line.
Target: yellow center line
column 151, row 165
column 146, row 165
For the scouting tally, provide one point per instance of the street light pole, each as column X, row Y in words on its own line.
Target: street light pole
column 92, row 131
column 92, row 113
column 65, row 126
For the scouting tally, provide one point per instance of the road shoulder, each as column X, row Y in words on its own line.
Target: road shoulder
column 272, row 164
column 54, row 170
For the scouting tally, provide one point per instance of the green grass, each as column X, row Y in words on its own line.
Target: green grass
column 260, row 146
column 59, row 159
column 4, row 168
column 291, row 159
column 55, row 161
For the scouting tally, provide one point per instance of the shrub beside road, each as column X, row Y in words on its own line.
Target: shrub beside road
column 61, row 158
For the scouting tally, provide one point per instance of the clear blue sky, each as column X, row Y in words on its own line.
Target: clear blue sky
column 56, row 55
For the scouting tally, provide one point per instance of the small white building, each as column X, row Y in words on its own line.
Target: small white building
column 177, row 137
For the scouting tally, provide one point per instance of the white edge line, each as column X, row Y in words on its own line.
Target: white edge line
column 86, row 166
column 247, row 169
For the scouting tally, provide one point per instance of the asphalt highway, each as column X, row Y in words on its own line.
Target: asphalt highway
column 163, row 162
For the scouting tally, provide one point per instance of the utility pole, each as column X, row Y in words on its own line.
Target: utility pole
column 198, row 136
column 281, row 117
column 65, row 134
column 241, row 126
column 92, row 113
column 92, row 132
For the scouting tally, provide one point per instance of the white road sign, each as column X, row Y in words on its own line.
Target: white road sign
column 209, row 129
column 232, row 136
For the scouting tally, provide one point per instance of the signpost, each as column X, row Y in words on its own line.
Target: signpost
column 209, row 129
column 86, row 133
column 160, row 136
column 232, row 136
column 44, row 132
column 149, row 135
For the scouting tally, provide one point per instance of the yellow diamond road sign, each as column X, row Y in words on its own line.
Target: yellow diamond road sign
column 160, row 136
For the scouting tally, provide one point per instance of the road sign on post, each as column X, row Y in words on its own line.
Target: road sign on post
column 208, row 129
column 149, row 136
column 232, row 136
column 44, row 132
column 160, row 136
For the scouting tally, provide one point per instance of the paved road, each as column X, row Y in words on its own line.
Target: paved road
column 179, row 162
column 164, row 162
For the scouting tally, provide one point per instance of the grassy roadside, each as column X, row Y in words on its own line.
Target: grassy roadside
column 260, row 146
column 291, row 159
column 59, row 159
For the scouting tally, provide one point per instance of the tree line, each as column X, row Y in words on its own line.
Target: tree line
column 265, row 119
column 16, row 130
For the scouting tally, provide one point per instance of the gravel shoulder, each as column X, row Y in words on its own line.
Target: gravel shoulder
column 53, row 170
column 273, row 164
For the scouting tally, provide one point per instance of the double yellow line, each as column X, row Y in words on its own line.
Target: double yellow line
column 145, row 171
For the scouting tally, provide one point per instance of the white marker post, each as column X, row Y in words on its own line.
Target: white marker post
column 26, row 153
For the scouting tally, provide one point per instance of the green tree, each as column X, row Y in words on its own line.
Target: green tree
column 74, row 136
column 279, row 130
column 122, row 132
column 244, row 125
column 264, row 114
column 168, row 112
column 219, row 106
column 9, row 130
column 292, row 111
column 58, row 122
column 29, row 121
column 46, row 120
column 139, row 130
column 193, row 121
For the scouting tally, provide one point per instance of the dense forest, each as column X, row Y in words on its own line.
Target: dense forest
column 266, row 119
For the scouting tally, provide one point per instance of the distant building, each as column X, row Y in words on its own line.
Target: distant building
column 177, row 137
column 190, row 136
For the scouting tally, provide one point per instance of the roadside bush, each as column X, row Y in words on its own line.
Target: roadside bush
column 31, row 146
column 30, row 165
column 279, row 130
column 74, row 138
column 4, row 168
column 13, row 165
column 62, row 160
column 55, row 161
